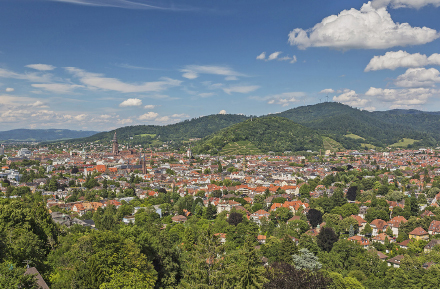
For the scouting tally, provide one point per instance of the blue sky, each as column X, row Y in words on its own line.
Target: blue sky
column 102, row 64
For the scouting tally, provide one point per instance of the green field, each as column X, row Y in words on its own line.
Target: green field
column 404, row 143
column 368, row 145
column 331, row 144
column 353, row 136
column 240, row 148
column 146, row 134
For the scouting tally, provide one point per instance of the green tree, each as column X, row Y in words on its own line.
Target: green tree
column 14, row 277
column 306, row 260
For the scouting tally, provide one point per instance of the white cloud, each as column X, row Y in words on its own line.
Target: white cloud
column 407, row 96
column 274, row 55
column 405, row 3
column 262, row 56
column 206, row 94
column 148, row 116
column 181, row 115
column 327, row 90
column 57, row 87
column 193, row 71
column 150, row 106
column 41, row 67
column 163, row 119
column 350, row 97
column 229, row 78
column 105, row 116
column 125, row 4
column 284, row 99
column 80, row 117
column 131, row 102
column 33, row 77
column 418, row 77
column 212, row 86
column 395, row 59
column 222, row 111
column 125, row 121
column 9, row 89
column 241, row 89
column 366, row 28
column 96, row 80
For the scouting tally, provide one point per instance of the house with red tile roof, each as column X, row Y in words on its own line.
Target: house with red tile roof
column 364, row 242
column 380, row 238
column 419, row 234
column 434, row 228
column 395, row 223
column 378, row 225
column 360, row 221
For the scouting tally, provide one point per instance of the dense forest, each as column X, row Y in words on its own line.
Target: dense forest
column 380, row 129
column 269, row 133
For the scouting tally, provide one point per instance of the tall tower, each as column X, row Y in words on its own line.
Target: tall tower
column 142, row 163
column 115, row 146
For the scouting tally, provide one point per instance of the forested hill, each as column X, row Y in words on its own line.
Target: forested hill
column 351, row 127
column 262, row 134
column 187, row 129
column 43, row 134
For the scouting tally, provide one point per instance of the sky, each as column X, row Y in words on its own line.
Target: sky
column 103, row 64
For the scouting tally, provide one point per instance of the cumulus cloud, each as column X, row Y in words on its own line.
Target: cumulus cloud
column 262, row 56
column 148, row 116
column 131, row 102
column 367, row 28
column 180, row 115
column 9, row 89
column 62, row 88
column 407, row 96
column 41, row 67
column 80, row 117
column 274, row 55
column 405, row 3
column 350, row 97
column 222, row 111
column 395, row 59
column 98, row 81
column 125, row 121
column 241, row 89
column 327, row 90
column 418, row 77
column 284, row 99
column 193, row 71
column 150, row 106
column 163, row 119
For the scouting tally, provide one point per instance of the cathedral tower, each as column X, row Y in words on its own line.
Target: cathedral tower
column 115, row 146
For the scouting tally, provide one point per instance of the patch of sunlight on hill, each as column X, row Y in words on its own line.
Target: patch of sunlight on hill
column 240, row 148
column 353, row 136
column 404, row 143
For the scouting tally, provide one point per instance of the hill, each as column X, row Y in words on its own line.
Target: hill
column 182, row 131
column 266, row 134
column 40, row 135
column 342, row 122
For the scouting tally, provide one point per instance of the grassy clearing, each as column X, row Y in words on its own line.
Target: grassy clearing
column 368, row 145
column 331, row 144
column 147, row 134
column 353, row 136
column 404, row 142
column 240, row 148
